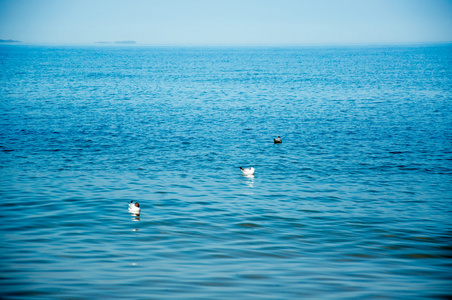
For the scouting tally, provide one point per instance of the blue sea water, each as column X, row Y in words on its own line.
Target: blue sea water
column 355, row 203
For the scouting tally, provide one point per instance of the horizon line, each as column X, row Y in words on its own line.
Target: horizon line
column 131, row 43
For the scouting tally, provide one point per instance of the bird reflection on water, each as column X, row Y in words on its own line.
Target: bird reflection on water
column 249, row 180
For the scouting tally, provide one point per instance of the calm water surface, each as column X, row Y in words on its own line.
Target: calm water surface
column 354, row 204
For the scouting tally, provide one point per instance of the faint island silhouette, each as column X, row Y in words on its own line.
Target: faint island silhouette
column 119, row 42
column 9, row 41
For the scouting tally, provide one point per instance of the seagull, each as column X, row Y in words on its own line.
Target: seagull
column 278, row 140
column 134, row 207
column 247, row 171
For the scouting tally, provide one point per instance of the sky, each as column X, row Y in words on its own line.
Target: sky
column 226, row 22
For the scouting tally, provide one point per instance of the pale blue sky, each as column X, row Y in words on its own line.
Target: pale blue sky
column 226, row 22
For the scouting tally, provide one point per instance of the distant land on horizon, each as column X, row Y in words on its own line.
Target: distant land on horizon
column 9, row 41
column 118, row 42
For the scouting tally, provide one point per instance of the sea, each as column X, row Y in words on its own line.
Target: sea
column 355, row 203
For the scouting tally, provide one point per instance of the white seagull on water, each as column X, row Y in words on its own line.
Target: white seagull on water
column 134, row 207
column 247, row 171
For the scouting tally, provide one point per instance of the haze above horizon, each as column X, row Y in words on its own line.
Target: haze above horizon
column 232, row 22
